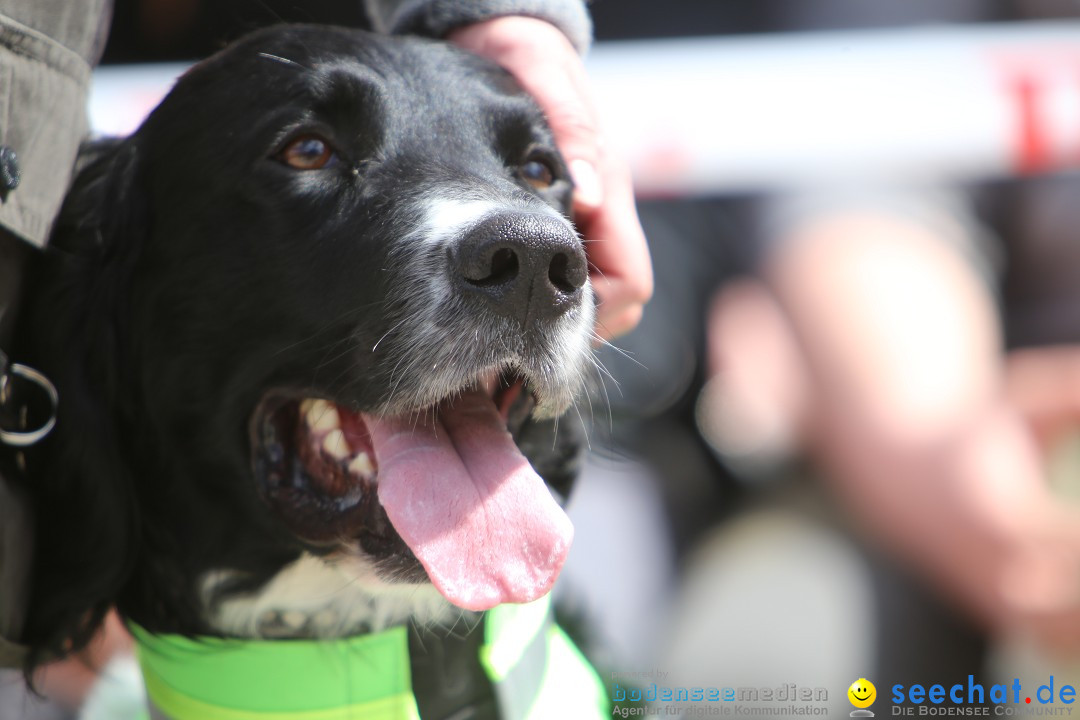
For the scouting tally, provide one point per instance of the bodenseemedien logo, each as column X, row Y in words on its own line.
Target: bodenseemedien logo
column 636, row 694
column 862, row 694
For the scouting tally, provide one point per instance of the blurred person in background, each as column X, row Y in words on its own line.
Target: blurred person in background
column 865, row 326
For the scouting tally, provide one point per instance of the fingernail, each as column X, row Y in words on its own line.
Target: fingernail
column 587, row 189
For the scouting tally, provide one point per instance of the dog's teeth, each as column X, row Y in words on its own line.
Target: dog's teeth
column 335, row 445
column 361, row 465
column 320, row 415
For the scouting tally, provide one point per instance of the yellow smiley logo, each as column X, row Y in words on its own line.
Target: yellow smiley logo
column 862, row 693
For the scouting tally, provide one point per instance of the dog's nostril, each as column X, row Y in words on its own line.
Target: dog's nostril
column 503, row 269
column 563, row 276
column 504, row 265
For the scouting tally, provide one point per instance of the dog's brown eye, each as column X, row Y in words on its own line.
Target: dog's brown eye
column 309, row 152
column 538, row 173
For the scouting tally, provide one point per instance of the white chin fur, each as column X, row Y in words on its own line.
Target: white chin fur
column 336, row 596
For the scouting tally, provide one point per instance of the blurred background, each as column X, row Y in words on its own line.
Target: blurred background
column 839, row 444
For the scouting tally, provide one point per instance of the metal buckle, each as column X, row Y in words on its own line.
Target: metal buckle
column 10, row 375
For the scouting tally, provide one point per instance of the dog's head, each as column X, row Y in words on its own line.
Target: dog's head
column 307, row 308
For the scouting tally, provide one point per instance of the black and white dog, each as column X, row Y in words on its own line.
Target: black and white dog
column 307, row 325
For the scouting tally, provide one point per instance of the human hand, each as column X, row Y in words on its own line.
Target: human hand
column 69, row 681
column 547, row 67
column 1041, row 384
column 991, row 529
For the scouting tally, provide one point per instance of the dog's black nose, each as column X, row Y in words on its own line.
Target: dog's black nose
column 525, row 266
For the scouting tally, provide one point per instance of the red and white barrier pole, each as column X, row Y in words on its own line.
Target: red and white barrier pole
column 700, row 116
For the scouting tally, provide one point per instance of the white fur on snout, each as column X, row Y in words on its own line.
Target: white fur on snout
column 445, row 220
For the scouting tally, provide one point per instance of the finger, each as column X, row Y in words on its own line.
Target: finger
column 621, row 271
column 562, row 94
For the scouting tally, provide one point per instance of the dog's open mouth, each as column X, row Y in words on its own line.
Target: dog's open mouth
column 445, row 486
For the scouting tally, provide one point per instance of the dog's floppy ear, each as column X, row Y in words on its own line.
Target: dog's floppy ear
column 71, row 328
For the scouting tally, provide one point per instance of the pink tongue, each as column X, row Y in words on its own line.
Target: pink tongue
column 469, row 505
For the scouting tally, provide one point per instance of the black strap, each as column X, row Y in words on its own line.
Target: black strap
column 16, row 518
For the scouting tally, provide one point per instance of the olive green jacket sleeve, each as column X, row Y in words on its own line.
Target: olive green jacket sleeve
column 47, row 48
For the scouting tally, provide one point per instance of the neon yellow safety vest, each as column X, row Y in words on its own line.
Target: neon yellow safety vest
column 536, row 670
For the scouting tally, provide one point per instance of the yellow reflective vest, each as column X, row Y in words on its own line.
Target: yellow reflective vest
column 536, row 671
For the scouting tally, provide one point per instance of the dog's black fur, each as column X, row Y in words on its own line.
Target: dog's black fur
column 193, row 271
